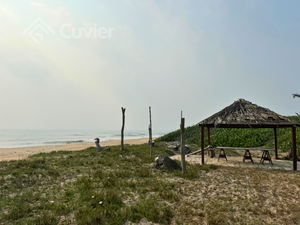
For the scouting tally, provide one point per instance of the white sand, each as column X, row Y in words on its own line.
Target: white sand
column 24, row 152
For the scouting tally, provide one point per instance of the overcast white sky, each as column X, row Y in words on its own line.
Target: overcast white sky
column 196, row 56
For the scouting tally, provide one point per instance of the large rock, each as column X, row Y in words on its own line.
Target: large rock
column 166, row 163
column 176, row 146
column 169, row 164
column 187, row 149
column 172, row 146
column 159, row 160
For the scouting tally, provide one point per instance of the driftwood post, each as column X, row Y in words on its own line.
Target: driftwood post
column 122, row 130
column 182, row 147
column 150, row 132
column 150, row 140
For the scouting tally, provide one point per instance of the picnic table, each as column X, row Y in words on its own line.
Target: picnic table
column 247, row 156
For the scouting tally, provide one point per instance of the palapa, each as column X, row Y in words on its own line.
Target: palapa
column 245, row 114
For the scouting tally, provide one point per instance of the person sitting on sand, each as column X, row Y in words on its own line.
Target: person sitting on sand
column 99, row 148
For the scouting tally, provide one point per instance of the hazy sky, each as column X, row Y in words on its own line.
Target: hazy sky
column 196, row 56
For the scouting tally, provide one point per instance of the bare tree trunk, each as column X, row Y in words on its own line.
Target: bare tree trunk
column 150, row 132
column 182, row 148
column 122, row 130
column 150, row 141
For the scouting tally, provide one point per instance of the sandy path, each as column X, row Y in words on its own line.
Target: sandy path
column 24, row 152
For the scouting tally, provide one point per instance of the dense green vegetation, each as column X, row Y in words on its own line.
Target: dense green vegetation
column 239, row 137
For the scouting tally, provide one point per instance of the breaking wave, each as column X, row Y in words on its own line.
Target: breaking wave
column 61, row 142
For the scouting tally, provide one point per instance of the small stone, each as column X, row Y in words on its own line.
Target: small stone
column 273, row 210
column 153, row 165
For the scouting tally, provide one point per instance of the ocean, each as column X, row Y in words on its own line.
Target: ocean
column 10, row 138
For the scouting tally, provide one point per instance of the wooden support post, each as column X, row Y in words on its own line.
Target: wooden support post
column 182, row 146
column 294, row 148
column 202, row 143
column 122, row 130
column 150, row 132
column 275, row 143
column 208, row 135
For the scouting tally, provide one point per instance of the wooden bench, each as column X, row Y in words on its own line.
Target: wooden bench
column 247, row 156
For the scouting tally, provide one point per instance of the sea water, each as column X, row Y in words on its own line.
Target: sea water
column 22, row 138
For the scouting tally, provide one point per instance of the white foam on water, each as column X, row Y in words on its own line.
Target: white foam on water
column 10, row 138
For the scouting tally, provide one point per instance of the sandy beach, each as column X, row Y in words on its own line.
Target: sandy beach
column 24, row 152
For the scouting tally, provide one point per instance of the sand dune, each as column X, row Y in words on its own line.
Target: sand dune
column 24, row 152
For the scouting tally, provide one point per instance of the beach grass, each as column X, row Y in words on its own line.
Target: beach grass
column 115, row 187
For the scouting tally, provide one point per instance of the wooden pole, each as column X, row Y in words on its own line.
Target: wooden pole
column 122, row 130
column 150, row 132
column 208, row 135
column 294, row 148
column 275, row 143
column 202, row 143
column 182, row 147
column 149, row 129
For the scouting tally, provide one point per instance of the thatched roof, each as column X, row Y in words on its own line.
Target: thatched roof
column 243, row 113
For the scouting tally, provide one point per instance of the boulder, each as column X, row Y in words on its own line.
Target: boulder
column 165, row 162
column 176, row 146
column 159, row 160
column 169, row 164
column 187, row 149
column 172, row 146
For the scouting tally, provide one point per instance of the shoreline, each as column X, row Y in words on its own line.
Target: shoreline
column 17, row 153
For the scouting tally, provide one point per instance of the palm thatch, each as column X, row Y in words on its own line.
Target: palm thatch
column 243, row 112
